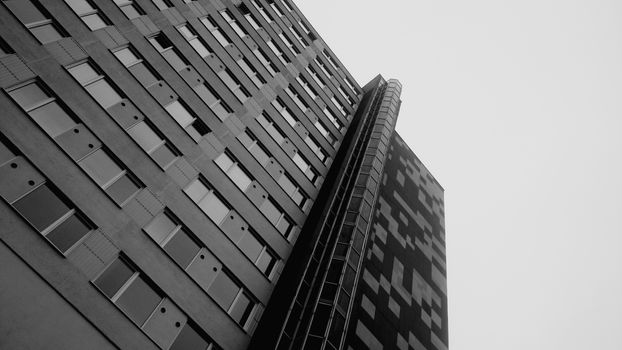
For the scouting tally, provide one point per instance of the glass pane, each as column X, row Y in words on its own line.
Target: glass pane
column 220, row 111
column 122, row 189
column 196, row 190
column 265, row 263
column 259, row 154
column 41, row 207
column 250, row 246
column 25, row 11
column 199, row 47
column 174, row 60
column 241, row 309
column 114, row 277
column 65, row 235
column 80, row 6
column 138, row 301
column 163, row 155
column 205, row 94
column 131, row 11
column 182, row 249
column 83, row 73
column 103, row 93
column 186, row 32
column 160, row 227
column 239, row 177
column 179, row 113
column 94, row 21
column 284, row 226
column 300, row 162
column 52, row 119
column 286, row 184
column 28, row 95
column 160, row 4
column 223, row 290
column 214, row 208
column 270, row 211
column 224, row 162
column 100, row 167
column 143, row 74
column 189, row 339
column 144, row 136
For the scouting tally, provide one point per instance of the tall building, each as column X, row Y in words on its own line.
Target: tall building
column 205, row 175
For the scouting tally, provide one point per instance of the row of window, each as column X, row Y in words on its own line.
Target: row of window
column 58, row 220
column 147, row 77
column 55, row 119
column 261, row 154
column 242, row 179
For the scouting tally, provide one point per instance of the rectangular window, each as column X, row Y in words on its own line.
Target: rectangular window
column 169, row 52
column 36, row 19
column 254, row 147
column 234, row 85
column 278, row 52
column 322, row 67
column 137, row 297
column 213, row 101
column 284, row 111
column 249, row 16
column 339, row 106
column 333, row 119
column 303, row 164
column 232, row 297
column 194, row 40
column 345, row 95
column 187, row 120
column 234, row 171
column 330, row 59
column 144, row 133
column 130, row 8
column 324, row 131
column 276, row 8
column 295, row 96
column 208, row 200
column 162, row 4
column 265, row 61
column 287, row 5
column 276, row 215
column 262, row 11
column 89, row 13
column 251, row 72
column 305, row 85
column 54, row 119
column 289, row 43
column 273, row 130
column 351, row 85
column 298, row 36
column 53, row 216
column 139, row 68
column 315, row 76
column 233, row 23
column 211, row 25
column 319, row 152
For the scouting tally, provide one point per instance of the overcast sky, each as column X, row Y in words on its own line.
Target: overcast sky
column 516, row 108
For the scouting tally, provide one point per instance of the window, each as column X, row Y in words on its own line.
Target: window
column 284, row 111
column 292, row 190
column 231, row 167
column 258, row 252
column 298, row 36
column 265, row 61
column 54, row 120
column 176, row 240
column 140, row 69
column 324, row 131
column 232, row 297
column 287, row 5
column 330, row 59
column 315, row 76
column 278, row 52
column 319, row 152
column 351, row 85
column 343, row 93
column 194, row 40
column 113, row 179
column 138, row 299
column 289, row 43
column 53, row 216
column 249, row 16
column 89, row 13
column 339, row 106
column 168, row 51
column 145, row 134
column 304, row 166
column 305, row 85
column 254, row 147
column 273, row 130
column 36, row 19
column 333, row 119
column 182, row 115
column 251, row 72
column 262, row 11
column 207, row 200
column 293, row 94
column 276, row 8
column 233, row 23
column 275, row 214
column 211, row 25
column 130, row 8
column 322, row 67
column 234, row 85
column 213, row 101
column 162, row 4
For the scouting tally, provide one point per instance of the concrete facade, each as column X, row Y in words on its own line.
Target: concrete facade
column 159, row 163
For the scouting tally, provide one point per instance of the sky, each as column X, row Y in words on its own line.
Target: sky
column 516, row 109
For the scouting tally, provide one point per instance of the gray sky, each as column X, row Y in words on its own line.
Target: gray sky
column 516, row 108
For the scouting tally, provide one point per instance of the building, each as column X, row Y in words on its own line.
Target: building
column 205, row 175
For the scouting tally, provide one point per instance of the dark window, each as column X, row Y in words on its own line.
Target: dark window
column 182, row 248
column 114, row 277
column 138, row 300
column 189, row 339
column 36, row 19
column 41, row 207
column 65, row 235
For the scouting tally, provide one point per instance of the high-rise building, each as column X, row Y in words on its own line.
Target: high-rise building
column 205, row 175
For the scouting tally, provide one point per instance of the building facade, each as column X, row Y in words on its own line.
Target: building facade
column 171, row 171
